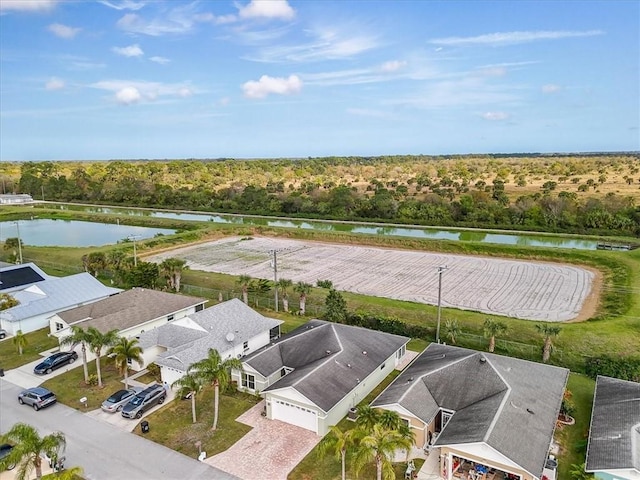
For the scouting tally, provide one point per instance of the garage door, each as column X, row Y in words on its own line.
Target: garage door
column 294, row 414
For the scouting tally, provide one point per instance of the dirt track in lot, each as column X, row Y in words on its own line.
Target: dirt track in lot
column 541, row 291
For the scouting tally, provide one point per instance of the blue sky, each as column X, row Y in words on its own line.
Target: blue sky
column 129, row 79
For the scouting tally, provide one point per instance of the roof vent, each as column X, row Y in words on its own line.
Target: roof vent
column 328, row 352
column 230, row 337
column 530, row 411
column 364, row 352
column 410, row 379
column 483, row 359
column 349, row 365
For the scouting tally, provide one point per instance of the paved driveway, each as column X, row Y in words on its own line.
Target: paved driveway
column 25, row 378
column 268, row 452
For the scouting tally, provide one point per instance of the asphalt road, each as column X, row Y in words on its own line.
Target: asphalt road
column 102, row 450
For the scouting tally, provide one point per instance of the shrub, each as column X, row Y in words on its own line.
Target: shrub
column 93, row 379
column 324, row 284
column 154, row 370
column 624, row 368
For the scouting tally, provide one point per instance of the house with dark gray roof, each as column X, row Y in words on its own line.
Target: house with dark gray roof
column 478, row 408
column 130, row 312
column 312, row 376
column 232, row 328
column 613, row 452
column 44, row 298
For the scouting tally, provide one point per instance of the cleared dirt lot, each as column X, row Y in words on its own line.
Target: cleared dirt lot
column 550, row 292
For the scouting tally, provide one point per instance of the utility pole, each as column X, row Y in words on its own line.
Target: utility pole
column 19, row 241
column 274, row 262
column 135, row 253
column 440, row 270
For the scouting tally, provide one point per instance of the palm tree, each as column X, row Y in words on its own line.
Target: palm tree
column 216, row 371
column 491, row 329
column 548, row 331
column 303, row 289
column 99, row 340
column 379, row 446
column 125, row 351
column 338, row 442
column 171, row 269
column 283, row 285
column 452, row 330
column 189, row 384
column 30, row 447
column 81, row 336
column 20, row 341
column 367, row 417
column 244, row 281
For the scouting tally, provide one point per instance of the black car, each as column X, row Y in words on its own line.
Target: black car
column 55, row 361
column 5, row 450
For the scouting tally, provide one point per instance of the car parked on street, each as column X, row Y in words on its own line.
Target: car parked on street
column 119, row 399
column 5, row 450
column 37, row 397
column 55, row 361
column 143, row 401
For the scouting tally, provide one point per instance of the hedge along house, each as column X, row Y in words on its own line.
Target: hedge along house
column 43, row 298
column 232, row 328
column 131, row 313
column 315, row 374
column 468, row 407
column 613, row 452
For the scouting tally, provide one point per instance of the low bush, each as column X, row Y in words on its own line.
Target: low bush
column 624, row 368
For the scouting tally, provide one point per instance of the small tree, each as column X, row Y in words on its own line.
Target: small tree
column 124, row 351
column 20, row 341
column 171, row 269
column 452, row 330
column 189, row 384
column 81, row 336
column 7, row 301
column 244, row 281
column 339, row 443
column 379, row 447
column 336, row 307
column 549, row 332
column 491, row 329
column 303, row 289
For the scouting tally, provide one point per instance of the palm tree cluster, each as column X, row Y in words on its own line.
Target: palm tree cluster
column 376, row 438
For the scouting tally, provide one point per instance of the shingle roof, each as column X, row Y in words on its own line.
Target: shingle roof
column 56, row 294
column 614, row 436
column 15, row 276
column 328, row 359
column 508, row 403
column 188, row 340
column 128, row 309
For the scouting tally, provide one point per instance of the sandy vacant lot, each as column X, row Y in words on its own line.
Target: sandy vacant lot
column 529, row 290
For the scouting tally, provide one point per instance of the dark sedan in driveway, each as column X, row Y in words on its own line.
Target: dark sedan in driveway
column 55, row 361
column 5, row 450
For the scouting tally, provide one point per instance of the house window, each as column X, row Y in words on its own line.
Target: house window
column 200, row 307
column 169, row 317
column 59, row 326
column 446, row 416
column 382, row 366
column 245, row 345
column 248, row 381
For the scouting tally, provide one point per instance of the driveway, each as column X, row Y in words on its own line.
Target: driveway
column 268, row 452
column 24, row 377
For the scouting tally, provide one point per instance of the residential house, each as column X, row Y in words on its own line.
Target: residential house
column 19, row 277
column 131, row 313
column 315, row 374
column 42, row 299
column 15, row 198
column 232, row 328
column 478, row 408
column 613, row 451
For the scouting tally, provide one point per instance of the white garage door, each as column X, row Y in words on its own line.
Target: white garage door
column 294, row 414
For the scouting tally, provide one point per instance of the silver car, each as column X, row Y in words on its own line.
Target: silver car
column 120, row 398
column 37, row 397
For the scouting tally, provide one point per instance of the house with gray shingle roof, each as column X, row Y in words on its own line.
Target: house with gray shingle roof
column 613, row 451
column 232, row 328
column 312, row 376
column 467, row 406
column 43, row 298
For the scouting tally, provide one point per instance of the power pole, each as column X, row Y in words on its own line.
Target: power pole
column 440, row 270
column 19, row 241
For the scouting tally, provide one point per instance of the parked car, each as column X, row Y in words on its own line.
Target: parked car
column 37, row 397
column 143, row 401
column 3, row 333
column 119, row 399
column 5, row 450
column 55, row 361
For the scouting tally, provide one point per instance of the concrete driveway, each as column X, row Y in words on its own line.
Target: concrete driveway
column 24, row 377
column 268, row 452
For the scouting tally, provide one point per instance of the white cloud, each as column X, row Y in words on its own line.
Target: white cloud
column 130, row 51
column 495, row 116
column 550, row 88
column 271, row 9
column 175, row 23
column 34, row 6
column 185, row 92
column 224, row 101
column 267, row 85
column 128, row 96
column 124, row 5
column 54, row 83
column 510, row 38
column 366, row 112
column 214, row 19
column 63, row 31
column 160, row 60
column 392, row 65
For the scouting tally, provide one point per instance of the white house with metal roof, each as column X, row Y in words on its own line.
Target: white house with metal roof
column 312, row 376
column 473, row 408
column 232, row 328
column 613, row 452
column 41, row 300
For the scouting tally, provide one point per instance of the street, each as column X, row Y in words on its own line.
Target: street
column 102, row 450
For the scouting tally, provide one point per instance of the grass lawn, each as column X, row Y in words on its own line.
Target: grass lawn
column 37, row 342
column 573, row 438
column 172, row 425
column 70, row 387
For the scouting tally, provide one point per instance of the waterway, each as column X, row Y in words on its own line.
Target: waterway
column 481, row 236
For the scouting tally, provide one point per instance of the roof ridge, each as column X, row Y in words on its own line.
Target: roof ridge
column 329, row 357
